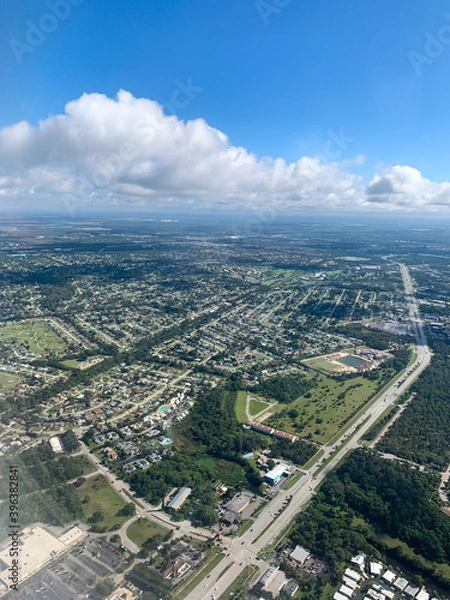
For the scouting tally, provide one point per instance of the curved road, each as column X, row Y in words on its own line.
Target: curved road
column 143, row 509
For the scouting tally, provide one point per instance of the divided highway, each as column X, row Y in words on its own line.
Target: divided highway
column 242, row 551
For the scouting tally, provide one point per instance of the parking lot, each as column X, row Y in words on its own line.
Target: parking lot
column 73, row 575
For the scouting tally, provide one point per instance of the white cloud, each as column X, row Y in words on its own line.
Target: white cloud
column 126, row 149
column 401, row 186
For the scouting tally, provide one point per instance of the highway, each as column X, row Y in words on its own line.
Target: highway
column 242, row 551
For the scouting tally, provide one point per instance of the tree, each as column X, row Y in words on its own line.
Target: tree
column 105, row 587
column 205, row 515
column 69, row 441
column 127, row 511
column 97, row 516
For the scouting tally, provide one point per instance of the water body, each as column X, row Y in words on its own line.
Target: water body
column 352, row 361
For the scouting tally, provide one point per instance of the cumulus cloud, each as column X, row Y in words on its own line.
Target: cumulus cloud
column 403, row 186
column 104, row 150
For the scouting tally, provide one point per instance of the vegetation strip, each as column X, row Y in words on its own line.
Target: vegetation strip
column 199, row 576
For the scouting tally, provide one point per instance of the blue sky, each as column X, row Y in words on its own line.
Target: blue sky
column 280, row 78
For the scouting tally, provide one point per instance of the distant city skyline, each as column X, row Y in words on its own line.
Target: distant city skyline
column 273, row 106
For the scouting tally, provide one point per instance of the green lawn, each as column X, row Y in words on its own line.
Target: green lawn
column 323, row 365
column 102, row 498
column 75, row 363
column 8, row 381
column 72, row 363
column 88, row 466
column 239, row 408
column 229, row 473
column 142, row 529
column 293, row 480
column 237, row 588
column 330, row 405
column 36, row 336
column 256, row 406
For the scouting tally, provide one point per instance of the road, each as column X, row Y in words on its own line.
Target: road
column 267, row 528
column 143, row 509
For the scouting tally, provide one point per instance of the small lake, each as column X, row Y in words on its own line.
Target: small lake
column 352, row 361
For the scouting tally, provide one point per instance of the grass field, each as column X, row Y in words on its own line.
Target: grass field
column 256, row 406
column 8, row 381
column 36, row 336
column 142, row 529
column 239, row 407
column 324, row 410
column 323, row 365
column 88, row 466
column 102, row 498
column 229, row 473
column 72, row 363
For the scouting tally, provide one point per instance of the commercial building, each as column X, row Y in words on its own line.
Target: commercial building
column 275, row 474
column 271, row 431
column 268, row 576
column 56, row 445
column 36, row 547
column 180, row 498
column 300, row 555
column 236, row 507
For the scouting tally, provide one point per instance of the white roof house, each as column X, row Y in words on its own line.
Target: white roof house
column 375, row 568
column 423, row 595
column 389, row 576
column 359, row 559
column 299, row 554
column 400, row 583
column 339, row 596
column 411, row 590
column 347, row 591
column 351, row 574
column 350, row 583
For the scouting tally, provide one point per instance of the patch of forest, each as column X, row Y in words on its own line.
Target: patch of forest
column 368, row 497
column 43, row 491
column 379, row 340
column 283, row 388
column 422, row 432
column 214, row 443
